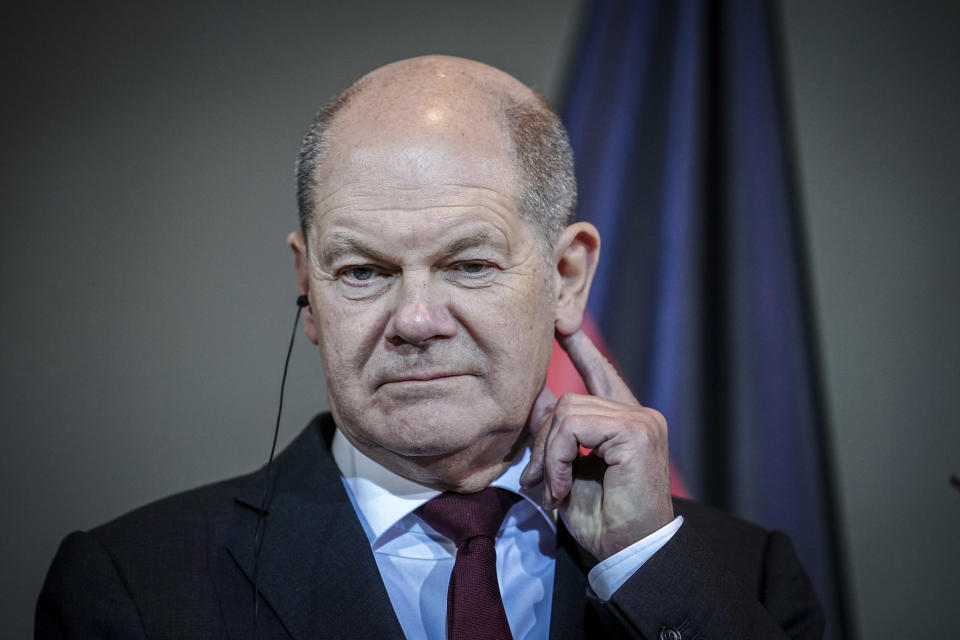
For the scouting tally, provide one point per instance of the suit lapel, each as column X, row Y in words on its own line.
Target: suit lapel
column 316, row 569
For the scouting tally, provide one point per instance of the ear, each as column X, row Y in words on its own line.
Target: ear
column 301, row 264
column 575, row 256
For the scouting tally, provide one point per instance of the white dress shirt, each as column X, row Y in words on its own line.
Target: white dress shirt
column 415, row 561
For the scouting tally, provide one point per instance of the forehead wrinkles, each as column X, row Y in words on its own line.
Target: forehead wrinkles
column 420, row 159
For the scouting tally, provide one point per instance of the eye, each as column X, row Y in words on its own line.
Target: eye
column 472, row 272
column 358, row 273
column 473, row 268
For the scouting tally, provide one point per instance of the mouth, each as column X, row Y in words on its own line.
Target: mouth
column 420, row 378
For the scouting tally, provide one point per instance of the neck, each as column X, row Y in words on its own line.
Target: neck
column 465, row 471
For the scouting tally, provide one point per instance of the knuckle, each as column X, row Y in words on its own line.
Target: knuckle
column 657, row 417
column 647, row 432
column 651, row 419
column 565, row 425
column 568, row 402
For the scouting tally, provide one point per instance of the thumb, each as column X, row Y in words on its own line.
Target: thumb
column 540, row 416
column 542, row 407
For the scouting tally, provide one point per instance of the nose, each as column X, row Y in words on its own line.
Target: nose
column 422, row 313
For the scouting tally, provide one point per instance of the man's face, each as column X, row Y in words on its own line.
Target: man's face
column 432, row 302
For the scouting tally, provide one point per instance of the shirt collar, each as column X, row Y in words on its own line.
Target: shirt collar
column 384, row 497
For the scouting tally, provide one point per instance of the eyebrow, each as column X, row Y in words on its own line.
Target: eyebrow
column 477, row 238
column 340, row 244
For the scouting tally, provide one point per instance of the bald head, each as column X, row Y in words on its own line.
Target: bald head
column 454, row 103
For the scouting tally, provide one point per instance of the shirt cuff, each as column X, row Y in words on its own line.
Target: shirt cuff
column 609, row 575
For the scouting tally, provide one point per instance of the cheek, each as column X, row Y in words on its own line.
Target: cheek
column 346, row 333
column 535, row 338
column 535, row 331
column 515, row 328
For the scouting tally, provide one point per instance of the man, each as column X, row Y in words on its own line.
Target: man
column 439, row 262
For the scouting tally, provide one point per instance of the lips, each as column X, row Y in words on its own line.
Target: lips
column 424, row 376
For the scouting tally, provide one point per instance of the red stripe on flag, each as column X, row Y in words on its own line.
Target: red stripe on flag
column 562, row 377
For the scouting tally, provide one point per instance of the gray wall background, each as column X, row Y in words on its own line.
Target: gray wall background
column 146, row 190
column 877, row 112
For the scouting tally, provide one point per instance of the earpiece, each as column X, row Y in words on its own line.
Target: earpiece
column 270, row 479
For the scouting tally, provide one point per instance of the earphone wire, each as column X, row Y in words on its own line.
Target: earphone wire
column 269, row 481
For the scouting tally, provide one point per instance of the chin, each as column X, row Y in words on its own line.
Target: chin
column 438, row 429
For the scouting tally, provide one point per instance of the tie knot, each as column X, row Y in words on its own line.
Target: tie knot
column 461, row 516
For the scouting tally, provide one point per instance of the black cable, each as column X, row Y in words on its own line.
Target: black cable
column 268, row 486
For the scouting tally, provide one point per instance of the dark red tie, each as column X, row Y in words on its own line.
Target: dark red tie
column 471, row 521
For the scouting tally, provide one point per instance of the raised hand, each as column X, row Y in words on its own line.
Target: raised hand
column 619, row 493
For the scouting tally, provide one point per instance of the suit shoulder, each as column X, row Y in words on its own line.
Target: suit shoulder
column 173, row 521
column 128, row 575
column 189, row 515
column 160, row 551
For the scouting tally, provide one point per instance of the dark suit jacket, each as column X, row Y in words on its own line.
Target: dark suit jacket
column 182, row 568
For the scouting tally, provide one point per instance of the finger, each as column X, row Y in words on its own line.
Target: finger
column 594, row 406
column 540, row 417
column 563, row 449
column 599, row 375
column 542, row 406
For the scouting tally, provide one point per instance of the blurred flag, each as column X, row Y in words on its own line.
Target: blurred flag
column 677, row 119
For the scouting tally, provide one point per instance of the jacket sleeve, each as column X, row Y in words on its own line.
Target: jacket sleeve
column 688, row 590
column 84, row 596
